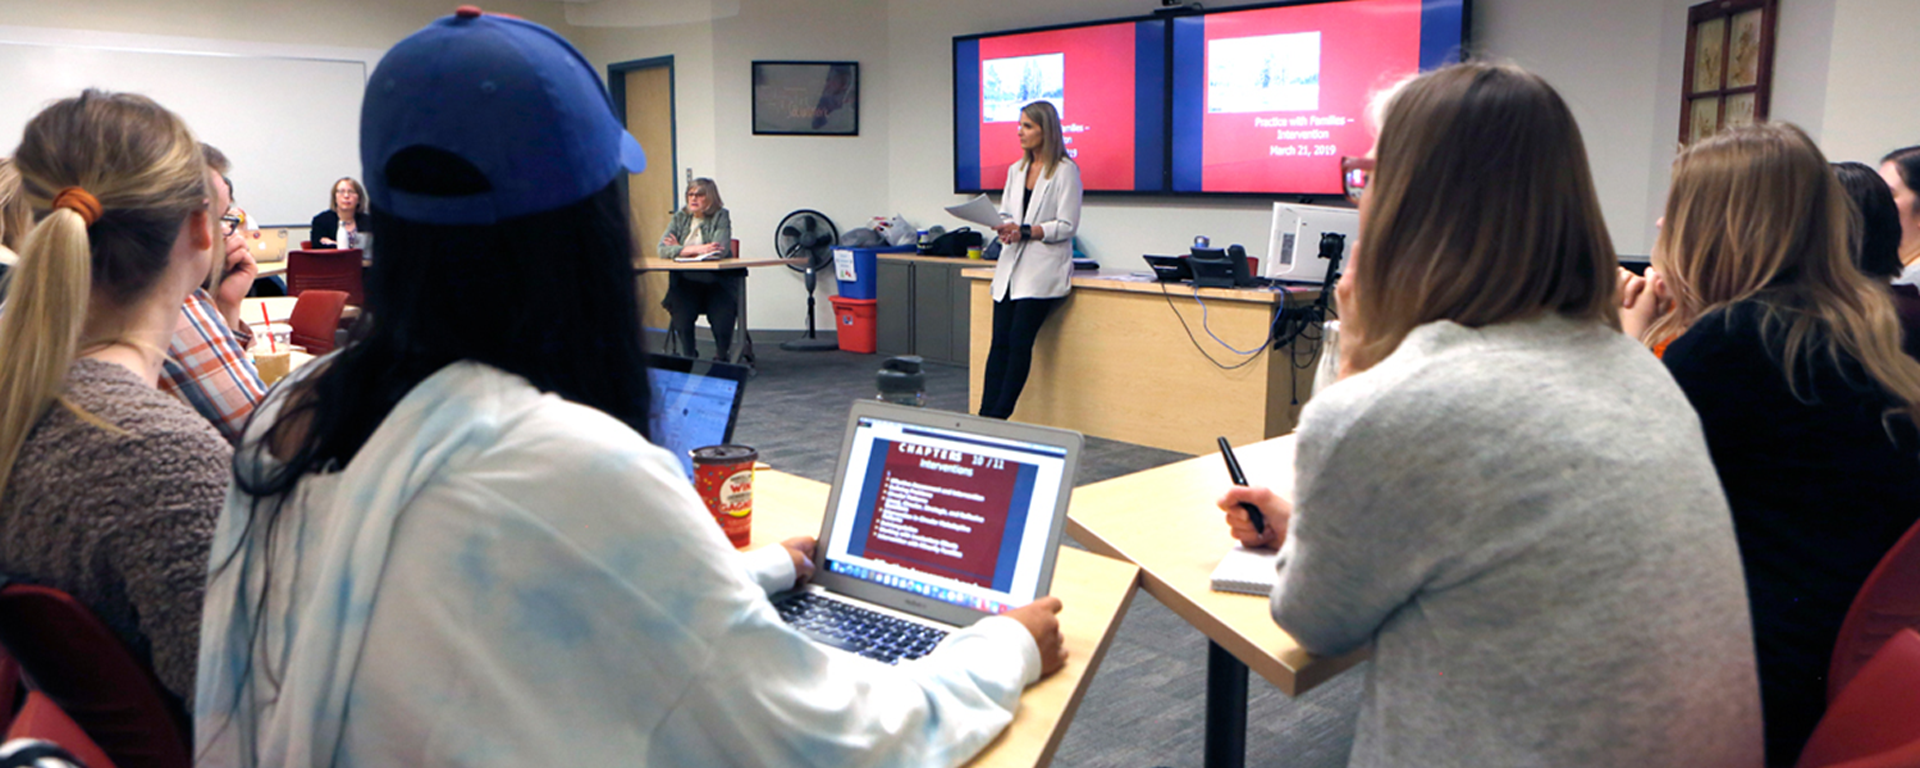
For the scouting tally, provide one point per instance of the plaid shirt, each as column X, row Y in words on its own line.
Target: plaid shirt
column 207, row 366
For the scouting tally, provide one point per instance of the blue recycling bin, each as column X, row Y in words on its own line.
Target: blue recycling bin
column 859, row 265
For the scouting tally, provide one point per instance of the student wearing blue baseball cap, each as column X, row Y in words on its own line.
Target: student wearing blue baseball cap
column 451, row 542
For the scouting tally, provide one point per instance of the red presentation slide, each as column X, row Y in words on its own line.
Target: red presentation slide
column 942, row 512
column 1287, row 89
column 1087, row 73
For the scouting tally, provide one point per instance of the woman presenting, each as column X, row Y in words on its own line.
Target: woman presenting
column 347, row 216
column 702, row 230
column 1039, row 211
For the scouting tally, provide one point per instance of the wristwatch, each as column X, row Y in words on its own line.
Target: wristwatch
column 1026, row 231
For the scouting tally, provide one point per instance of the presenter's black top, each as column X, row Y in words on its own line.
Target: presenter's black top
column 327, row 224
column 1821, row 486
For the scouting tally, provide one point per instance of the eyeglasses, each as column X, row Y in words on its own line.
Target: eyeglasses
column 229, row 224
column 1355, row 174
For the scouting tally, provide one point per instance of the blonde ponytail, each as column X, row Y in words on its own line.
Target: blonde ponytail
column 146, row 171
column 46, row 308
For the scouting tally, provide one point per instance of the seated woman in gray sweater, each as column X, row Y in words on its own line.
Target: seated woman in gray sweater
column 109, row 488
column 1507, row 497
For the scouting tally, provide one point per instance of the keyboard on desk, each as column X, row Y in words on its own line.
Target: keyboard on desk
column 857, row 630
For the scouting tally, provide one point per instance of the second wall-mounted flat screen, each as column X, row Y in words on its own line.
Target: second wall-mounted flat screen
column 1108, row 82
column 1267, row 100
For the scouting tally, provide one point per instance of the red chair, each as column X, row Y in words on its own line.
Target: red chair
column 306, row 245
column 327, row 271
column 41, row 719
column 1875, row 721
column 9, row 687
column 1888, row 602
column 79, row 665
column 316, row 315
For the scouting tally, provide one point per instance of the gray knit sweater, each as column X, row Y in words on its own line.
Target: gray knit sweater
column 1524, row 521
column 121, row 522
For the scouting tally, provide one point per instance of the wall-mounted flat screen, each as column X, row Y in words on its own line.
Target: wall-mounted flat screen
column 1107, row 80
column 1267, row 100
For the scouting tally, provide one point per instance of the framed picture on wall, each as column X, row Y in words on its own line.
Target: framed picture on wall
column 806, row 98
column 1729, row 76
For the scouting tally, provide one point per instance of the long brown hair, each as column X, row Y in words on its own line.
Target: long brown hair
column 1481, row 211
column 1756, row 213
column 146, row 170
column 1053, row 146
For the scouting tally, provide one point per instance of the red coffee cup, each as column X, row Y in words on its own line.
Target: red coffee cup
column 723, row 475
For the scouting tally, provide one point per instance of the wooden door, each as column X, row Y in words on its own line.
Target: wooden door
column 651, row 195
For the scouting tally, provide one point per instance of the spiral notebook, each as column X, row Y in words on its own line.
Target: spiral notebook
column 1247, row 571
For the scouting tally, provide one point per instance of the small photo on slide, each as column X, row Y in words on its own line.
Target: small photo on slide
column 1270, row 73
column 1016, row 81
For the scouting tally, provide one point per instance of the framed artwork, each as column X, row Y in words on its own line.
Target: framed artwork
column 1709, row 55
column 1739, row 110
column 1703, row 118
column 806, row 98
column 1729, row 73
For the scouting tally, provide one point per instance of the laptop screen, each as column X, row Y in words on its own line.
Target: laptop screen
column 955, row 516
column 693, row 404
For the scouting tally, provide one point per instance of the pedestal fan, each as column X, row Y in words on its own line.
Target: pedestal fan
column 810, row 235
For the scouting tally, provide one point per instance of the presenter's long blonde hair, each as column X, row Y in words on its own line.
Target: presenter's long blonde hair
column 1757, row 213
column 1053, row 145
column 1481, row 210
column 145, row 169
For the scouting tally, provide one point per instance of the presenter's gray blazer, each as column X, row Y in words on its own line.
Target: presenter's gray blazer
column 1041, row 268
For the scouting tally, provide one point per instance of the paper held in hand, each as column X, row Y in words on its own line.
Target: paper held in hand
column 1248, row 571
column 979, row 211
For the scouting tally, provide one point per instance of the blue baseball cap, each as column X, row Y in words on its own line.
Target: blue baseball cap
column 507, row 95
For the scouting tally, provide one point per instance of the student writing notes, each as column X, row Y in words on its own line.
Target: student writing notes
column 1546, row 572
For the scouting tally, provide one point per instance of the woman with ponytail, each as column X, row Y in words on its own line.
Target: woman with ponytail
column 108, row 487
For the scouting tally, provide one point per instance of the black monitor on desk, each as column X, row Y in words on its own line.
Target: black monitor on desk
column 1169, row 269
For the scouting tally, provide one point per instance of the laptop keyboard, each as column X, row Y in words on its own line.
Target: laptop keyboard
column 857, row 630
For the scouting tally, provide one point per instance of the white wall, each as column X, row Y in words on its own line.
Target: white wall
column 266, row 77
column 763, row 178
column 1873, row 91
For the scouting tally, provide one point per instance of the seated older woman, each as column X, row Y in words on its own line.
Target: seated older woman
column 702, row 230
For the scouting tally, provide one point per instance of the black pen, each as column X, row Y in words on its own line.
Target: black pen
column 1240, row 479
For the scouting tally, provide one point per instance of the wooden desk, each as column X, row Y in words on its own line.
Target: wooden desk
column 1094, row 589
column 742, row 352
column 1115, row 361
column 1164, row 519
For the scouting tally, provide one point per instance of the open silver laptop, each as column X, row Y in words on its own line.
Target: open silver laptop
column 936, row 521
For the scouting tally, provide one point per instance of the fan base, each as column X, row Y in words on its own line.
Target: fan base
column 810, row 345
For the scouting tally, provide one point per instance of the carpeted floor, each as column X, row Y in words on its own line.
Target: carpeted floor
column 1147, row 703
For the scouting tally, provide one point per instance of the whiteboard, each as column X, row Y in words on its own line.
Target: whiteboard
column 289, row 124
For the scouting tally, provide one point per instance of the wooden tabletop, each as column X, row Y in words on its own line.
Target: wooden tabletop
column 1133, row 282
column 655, row 263
column 1165, row 520
column 1094, row 589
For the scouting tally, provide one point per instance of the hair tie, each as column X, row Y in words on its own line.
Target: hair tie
column 79, row 201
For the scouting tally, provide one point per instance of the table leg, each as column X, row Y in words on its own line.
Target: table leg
column 1226, row 709
column 742, row 352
